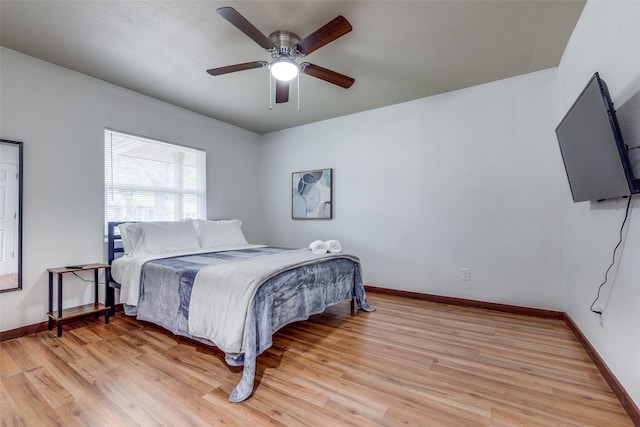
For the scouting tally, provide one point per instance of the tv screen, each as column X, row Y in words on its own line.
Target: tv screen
column 594, row 155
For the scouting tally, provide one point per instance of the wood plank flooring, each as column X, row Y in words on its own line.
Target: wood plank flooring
column 408, row 363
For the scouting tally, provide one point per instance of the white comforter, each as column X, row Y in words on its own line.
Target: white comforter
column 126, row 270
column 222, row 294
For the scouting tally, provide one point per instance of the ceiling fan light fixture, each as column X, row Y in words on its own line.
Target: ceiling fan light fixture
column 284, row 69
column 285, row 47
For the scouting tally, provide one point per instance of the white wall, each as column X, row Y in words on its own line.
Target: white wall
column 607, row 40
column 471, row 178
column 60, row 116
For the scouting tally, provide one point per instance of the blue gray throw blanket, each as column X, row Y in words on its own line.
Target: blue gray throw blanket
column 291, row 295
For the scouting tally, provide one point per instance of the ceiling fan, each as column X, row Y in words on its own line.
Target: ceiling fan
column 285, row 47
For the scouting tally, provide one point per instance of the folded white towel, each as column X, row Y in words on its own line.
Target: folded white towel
column 333, row 246
column 318, row 247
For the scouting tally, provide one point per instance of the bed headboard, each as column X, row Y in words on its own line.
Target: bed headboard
column 114, row 249
column 114, row 241
column 114, row 246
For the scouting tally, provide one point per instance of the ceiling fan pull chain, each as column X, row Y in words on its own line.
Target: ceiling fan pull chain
column 270, row 90
column 298, row 79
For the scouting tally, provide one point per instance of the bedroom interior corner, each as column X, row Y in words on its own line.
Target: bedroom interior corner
column 471, row 178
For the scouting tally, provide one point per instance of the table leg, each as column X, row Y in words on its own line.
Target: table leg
column 50, row 301
column 108, row 301
column 95, row 286
column 59, row 305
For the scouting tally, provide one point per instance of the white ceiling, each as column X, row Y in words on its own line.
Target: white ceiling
column 397, row 51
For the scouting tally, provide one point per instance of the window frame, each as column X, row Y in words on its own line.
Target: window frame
column 111, row 186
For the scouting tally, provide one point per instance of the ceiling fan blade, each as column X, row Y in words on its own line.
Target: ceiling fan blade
column 332, row 30
column 237, row 67
column 326, row 75
column 282, row 92
column 241, row 23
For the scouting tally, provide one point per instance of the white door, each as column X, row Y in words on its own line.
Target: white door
column 8, row 218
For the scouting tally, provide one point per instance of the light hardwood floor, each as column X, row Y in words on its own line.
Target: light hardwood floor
column 408, row 363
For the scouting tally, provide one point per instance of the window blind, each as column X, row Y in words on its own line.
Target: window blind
column 150, row 180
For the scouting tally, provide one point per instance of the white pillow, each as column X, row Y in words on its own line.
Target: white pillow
column 128, row 236
column 164, row 236
column 225, row 232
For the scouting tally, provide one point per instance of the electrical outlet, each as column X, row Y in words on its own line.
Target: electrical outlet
column 465, row 274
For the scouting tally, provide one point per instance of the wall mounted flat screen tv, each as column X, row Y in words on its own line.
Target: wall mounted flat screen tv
column 594, row 154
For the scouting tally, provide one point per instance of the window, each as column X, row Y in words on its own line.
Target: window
column 148, row 180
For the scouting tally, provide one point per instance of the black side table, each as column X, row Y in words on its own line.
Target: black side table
column 61, row 315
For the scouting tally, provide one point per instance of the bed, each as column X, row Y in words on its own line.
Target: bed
column 202, row 280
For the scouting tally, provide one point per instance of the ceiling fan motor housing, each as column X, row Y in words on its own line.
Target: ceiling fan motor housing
column 285, row 42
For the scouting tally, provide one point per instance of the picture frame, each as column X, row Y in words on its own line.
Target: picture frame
column 312, row 194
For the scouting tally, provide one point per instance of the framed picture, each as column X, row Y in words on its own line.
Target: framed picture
column 311, row 194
